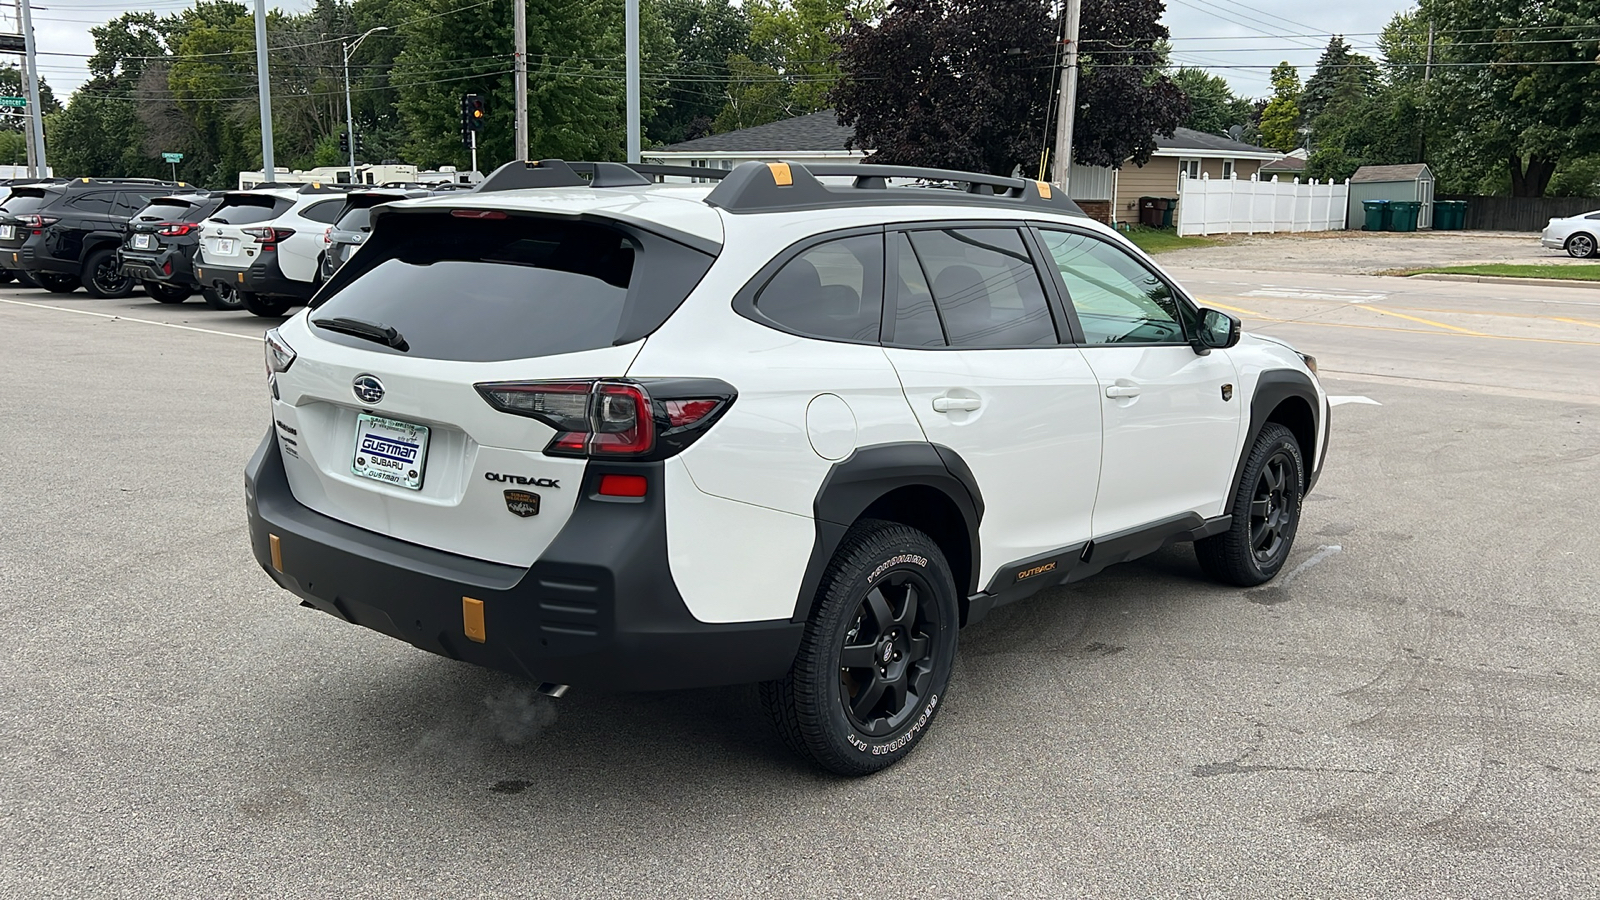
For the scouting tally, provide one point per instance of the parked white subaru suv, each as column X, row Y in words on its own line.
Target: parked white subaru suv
column 263, row 248
column 601, row 431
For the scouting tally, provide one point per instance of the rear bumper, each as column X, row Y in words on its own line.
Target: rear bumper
column 1553, row 243
column 261, row 277
column 33, row 257
column 153, row 266
column 599, row 609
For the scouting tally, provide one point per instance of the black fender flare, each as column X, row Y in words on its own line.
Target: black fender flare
column 1272, row 388
column 854, row 483
column 98, row 240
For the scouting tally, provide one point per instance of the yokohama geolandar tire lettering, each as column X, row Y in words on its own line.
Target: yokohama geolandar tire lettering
column 875, row 661
column 1266, row 513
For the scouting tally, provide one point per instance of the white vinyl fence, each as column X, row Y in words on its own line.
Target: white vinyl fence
column 1231, row 206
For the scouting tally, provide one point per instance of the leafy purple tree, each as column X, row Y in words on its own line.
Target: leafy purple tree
column 971, row 84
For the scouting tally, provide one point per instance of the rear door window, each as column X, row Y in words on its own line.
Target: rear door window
column 833, row 290
column 325, row 212
column 985, row 287
column 526, row 286
column 93, row 204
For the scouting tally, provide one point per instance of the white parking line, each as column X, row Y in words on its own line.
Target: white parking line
column 1340, row 401
column 85, row 312
column 1340, row 296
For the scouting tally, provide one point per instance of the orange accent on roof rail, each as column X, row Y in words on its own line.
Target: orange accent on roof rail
column 781, row 174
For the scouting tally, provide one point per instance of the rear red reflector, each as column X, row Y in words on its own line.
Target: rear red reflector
column 623, row 485
column 688, row 412
column 478, row 214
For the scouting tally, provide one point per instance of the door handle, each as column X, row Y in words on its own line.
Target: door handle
column 950, row 404
column 1122, row 391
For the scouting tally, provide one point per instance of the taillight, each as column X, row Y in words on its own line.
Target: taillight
column 327, row 235
column 37, row 221
column 268, row 235
column 609, row 419
column 280, row 356
column 176, row 229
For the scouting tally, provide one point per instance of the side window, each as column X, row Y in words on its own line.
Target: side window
column 916, row 321
column 1189, row 167
column 1117, row 299
column 833, row 290
column 985, row 287
column 326, row 213
column 98, row 204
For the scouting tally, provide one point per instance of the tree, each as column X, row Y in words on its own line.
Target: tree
column 707, row 35
column 948, row 83
column 11, row 86
column 1338, row 65
column 1213, row 108
column 1124, row 99
column 1513, row 92
column 1280, row 119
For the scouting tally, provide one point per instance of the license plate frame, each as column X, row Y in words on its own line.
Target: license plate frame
column 390, row 451
column 227, row 247
column 8, row 232
column 141, row 242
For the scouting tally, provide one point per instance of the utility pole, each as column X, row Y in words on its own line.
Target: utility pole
column 269, row 170
column 1427, row 70
column 1068, row 108
column 349, row 114
column 519, row 74
column 631, row 28
column 35, row 114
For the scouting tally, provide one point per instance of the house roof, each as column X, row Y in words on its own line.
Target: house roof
column 1408, row 172
column 1189, row 139
column 1286, row 164
column 818, row 131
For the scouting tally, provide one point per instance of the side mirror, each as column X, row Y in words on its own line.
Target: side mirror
column 1218, row 331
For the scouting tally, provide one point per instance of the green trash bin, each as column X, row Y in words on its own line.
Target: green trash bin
column 1403, row 215
column 1167, row 205
column 1449, row 215
column 1377, row 213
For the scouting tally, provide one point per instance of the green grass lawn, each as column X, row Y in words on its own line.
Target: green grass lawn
column 1160, row 240
column 1578, row 272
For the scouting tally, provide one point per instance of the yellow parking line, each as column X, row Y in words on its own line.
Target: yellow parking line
column 1236, row 309
column 1387, row 312
column 1576, row 322
column 1492, row 337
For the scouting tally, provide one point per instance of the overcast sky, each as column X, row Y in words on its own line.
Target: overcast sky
column 1239, row 41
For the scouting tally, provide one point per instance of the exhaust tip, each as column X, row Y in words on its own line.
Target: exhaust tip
column 552, row 690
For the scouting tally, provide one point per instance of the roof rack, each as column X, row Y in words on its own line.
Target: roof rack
column 323, row 187
column 755, row 187
column 514, row 176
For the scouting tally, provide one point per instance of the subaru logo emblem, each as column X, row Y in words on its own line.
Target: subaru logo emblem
column 368, row 388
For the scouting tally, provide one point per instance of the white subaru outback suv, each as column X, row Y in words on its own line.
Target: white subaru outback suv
column 263, row 248
column 601, row 431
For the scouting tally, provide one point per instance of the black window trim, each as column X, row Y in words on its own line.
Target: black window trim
column 744, row 301
column 1065, row 337
column 1183, row 299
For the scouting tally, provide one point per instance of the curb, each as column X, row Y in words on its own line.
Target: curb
column 1504, row 279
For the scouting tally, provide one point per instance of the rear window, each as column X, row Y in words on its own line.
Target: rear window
column 482, row 290
column 174, row 210
column 248, row 209
column 359, row 219
column 24, row 201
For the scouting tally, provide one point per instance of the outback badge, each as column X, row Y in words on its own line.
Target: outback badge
column 522, row 503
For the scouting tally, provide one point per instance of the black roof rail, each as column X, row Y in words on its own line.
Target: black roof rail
column 547, row 173
column 777, row 187
column 661, row 170
column 328, row 187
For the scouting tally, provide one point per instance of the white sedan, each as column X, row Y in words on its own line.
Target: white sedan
column 1578, row 235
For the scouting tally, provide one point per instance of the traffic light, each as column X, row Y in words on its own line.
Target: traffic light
column 472, row 113
column 344, row 142
column 361, row 142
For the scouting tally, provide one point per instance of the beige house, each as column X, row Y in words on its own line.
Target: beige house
column 1187, row 152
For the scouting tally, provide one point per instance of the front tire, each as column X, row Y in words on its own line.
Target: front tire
column 1582, row 246
column 876, row 656
column 104, row 278
column 166, row 293
column 266, row 307
column 57, row 284
column 1266, row 513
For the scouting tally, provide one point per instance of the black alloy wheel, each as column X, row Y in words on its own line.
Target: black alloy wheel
column 57, row 284
column 875, row 659
column 222, row 297
column 1581, row 246
column 106, row 280
column 264, row 306
column 1265, row 513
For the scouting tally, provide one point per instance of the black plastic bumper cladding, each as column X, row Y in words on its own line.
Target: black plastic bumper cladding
column 599, row 609
column 263, row 276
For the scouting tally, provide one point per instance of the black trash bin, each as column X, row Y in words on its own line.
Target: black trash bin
column 1149, row 212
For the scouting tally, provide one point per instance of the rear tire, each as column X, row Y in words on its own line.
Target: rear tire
column 26, row 280
column 876, row 655
column 222, row 298
column 266, row 307
column 103, row 277
column 1266, row 513
column 166, row 293
column 1582, row 246
column 57, row 284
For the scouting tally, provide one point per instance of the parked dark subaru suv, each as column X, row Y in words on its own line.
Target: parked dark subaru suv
column 350, row 230
column 69, row 233
column 159, row 248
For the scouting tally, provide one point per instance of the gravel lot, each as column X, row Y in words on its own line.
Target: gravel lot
column 1361, row 253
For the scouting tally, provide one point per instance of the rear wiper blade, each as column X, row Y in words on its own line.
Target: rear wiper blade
column 370, row 331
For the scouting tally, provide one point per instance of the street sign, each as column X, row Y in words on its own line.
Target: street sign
column 172, row 157
column 12, row 43
column 18, row 102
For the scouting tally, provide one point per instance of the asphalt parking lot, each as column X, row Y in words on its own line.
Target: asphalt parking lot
column 1410, row 710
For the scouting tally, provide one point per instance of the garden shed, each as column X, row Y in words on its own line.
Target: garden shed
column 1411, row 182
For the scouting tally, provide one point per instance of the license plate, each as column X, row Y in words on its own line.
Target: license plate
column 8, row 232
column 227, row 246
column 141, row 242
column 390, row 451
